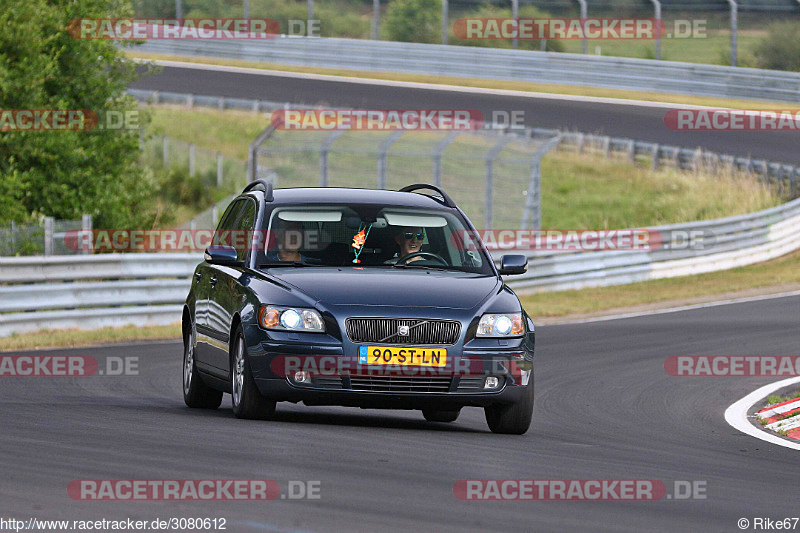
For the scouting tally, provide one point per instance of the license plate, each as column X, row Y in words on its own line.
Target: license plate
column 393, row 355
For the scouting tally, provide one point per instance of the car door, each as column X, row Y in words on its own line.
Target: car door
column 225, row 296
column 206, row 278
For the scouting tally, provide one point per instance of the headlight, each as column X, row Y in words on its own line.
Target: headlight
column 290, row 319
column 500, row 325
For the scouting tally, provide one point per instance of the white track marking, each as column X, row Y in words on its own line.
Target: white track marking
column 736, row 414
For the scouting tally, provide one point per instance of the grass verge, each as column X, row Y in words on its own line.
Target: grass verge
column 479, row 83
column 68, row 338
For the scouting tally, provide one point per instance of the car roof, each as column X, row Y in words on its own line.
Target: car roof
column 340, row 195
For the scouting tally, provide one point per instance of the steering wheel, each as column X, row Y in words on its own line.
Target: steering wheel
column 426, row 255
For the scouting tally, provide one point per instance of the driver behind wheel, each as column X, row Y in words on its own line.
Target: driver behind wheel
column 410, row 240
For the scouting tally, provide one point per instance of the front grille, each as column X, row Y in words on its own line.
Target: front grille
column 400, row 383
column 420, row 331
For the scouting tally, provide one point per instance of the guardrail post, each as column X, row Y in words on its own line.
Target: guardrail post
column 657, row 5
column 88, row 238
column 221, row 103
column 214, row 216
column 382, row 150
column 376, row 19
column 632, row 151
column 734, row 30
column 445, row 16
column 607, row 146
column 165, row 150
column 190, row 101
column 256, row 107
column 219, row 169
column 191, row 159
column 49, row 229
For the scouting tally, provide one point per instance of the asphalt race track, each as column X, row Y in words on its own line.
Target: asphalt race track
column 621, row 120
column 605, row 409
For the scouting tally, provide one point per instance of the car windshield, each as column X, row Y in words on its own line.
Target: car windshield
column 370, row 236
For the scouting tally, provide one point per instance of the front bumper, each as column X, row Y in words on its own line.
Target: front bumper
column 461, row 386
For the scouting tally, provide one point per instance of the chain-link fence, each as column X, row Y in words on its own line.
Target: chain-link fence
column 163, row 153
column 47, row 237
column 493, row 176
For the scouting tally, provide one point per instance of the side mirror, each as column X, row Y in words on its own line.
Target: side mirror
column 222, row 255
column 513, row 264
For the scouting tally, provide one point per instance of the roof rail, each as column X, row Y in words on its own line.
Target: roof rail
column 417, row 186
column 268, row 197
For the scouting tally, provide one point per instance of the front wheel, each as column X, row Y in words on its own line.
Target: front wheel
column 512, row 419
column 246, row 400
column 195, row 392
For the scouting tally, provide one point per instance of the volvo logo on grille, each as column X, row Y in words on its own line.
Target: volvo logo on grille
column 402, row 330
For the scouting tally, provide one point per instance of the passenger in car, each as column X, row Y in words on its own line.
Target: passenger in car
column 290, row 236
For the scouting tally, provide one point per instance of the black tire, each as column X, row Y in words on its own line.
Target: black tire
column 512, row 419
column 196, row 393
column 438, row 415
column 246, row 401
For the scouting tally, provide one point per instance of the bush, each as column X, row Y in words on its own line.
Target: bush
column 414, row 21
column 780, row 49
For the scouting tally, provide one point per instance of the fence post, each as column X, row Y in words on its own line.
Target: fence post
column 532, row 213
column 310, row 16
column 214, row 216
column 583, row 19
column 323, row 156
column 191, row 159
column 657, row 5
column 515, row 16
column 491, row 155
column 219, row 169
column 655, row 156
column 165, row 150
column 734, row 30
column 437, row 157
column 445, row 15
column 382, row 150
column 49, row 229
column 376, row 18
column 13, row 239
column 86, row 229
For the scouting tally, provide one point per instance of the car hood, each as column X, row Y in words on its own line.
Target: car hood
column 390, row 287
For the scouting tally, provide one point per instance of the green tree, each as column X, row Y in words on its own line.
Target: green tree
column 414, row 21
column 66, row 173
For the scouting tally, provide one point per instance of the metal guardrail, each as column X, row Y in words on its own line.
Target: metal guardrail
column 146, row 289
column 500, row 64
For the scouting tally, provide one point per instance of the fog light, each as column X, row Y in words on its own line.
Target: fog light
column 302, row 377
column 491, row 382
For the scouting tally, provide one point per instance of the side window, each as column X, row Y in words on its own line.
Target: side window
column 244, row 229
column 231, row 215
